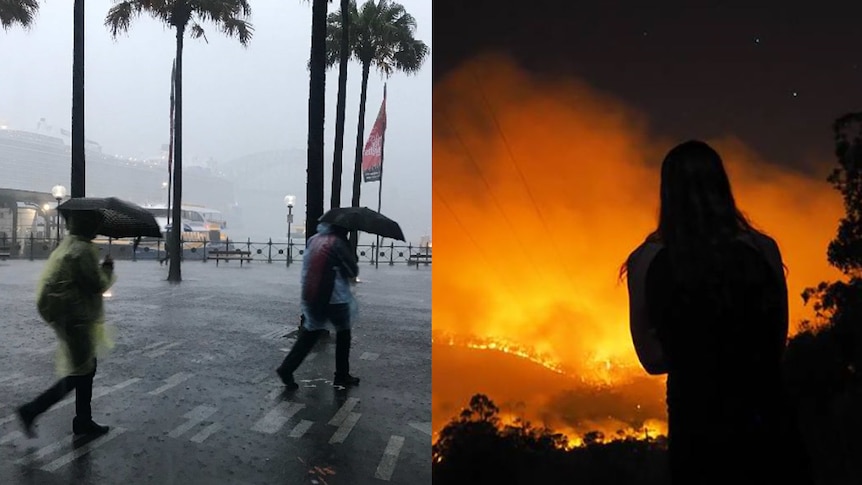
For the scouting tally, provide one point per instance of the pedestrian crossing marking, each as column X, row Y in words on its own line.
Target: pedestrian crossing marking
column 83, row 450
column 344, row 411
column 345, row 428
column 275, row 419
column 194, row 417
column 390, row 458
column 171, row 382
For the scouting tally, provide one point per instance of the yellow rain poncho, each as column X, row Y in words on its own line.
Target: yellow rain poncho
column 69, row 298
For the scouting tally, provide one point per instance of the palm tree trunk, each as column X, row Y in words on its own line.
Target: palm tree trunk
column 335, row 197
column 78, row 140
column 360, row 145
column 174, row 274
column 316, row 112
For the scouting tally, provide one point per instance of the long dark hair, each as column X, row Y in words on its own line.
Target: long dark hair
column 698, row 211
column 697, row 203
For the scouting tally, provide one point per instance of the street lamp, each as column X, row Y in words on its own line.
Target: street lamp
column 289, row 200
column 59, row 192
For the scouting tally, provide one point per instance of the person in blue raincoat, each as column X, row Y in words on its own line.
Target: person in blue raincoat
column 69, row 298
column 328, row 267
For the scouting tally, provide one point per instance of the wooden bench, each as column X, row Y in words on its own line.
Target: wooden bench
column 419, row 258
column 5, row 252
column 229, row 255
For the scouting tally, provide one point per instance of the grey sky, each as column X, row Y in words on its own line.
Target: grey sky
column 237, row 101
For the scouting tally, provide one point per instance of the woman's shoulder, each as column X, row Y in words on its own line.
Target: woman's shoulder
column 758, row 239
column 647, row 250
column 763, row 244
column 643, row 257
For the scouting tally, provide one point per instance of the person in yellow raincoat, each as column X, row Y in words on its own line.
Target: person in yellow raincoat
column 69, row 298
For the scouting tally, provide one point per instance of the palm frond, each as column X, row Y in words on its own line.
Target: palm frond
column 197, row 32
column 120, row 16
column 334, row 28
column 411, row 56
column 383, row 35
column 235, row 27
column 21, row 12
column 216, row 11
column 231, row 16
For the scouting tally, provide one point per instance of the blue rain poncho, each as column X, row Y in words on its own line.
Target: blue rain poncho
column 69, row 298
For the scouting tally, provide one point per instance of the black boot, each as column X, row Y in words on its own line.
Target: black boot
column 304, row 343
column 26, row 416
column 28, row 413
column 342, row 360
column 83, row 422
column 88, row 427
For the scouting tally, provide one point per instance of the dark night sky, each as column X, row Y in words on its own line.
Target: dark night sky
column 776, row 77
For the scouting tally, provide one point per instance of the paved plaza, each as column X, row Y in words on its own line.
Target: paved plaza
column 190, row 390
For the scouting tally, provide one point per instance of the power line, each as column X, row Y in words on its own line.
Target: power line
column 481, row 249
column 490, row 191
column 520, row 174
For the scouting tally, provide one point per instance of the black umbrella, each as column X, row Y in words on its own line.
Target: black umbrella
column 119, row 218
column 363, row 219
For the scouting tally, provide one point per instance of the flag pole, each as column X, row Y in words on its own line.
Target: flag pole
column 380, row 181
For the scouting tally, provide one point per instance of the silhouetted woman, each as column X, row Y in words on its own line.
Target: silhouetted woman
column 708, row 306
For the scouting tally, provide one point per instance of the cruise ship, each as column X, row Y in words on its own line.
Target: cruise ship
column 32, row 162
column 37, row 161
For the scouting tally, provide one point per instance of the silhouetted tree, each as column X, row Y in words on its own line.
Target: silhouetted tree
column 822, row 362
column 476, row 448
column 231, row 17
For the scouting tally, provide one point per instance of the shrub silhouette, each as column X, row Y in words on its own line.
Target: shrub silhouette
column 476, row 448
column 822, row 362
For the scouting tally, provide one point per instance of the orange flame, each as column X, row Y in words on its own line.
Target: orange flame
column 541, row 189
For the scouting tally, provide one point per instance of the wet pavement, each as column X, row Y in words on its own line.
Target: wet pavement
column 190, row 389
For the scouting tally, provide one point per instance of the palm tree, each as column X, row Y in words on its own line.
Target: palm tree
column 380, row 35
column 341, row 50
column 79, row 163
column 316, row 115
column 230, row 16
column 21, row 12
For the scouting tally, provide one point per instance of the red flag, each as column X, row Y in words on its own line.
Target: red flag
column 372, row 155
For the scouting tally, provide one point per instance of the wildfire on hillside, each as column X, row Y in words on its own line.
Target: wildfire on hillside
column 541, row 189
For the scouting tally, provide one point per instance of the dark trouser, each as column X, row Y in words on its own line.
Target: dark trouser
column 83, row 386
column 339, row 314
